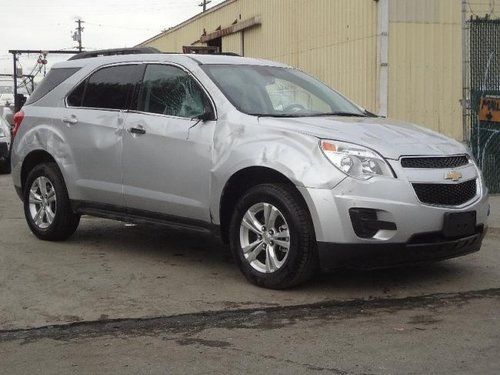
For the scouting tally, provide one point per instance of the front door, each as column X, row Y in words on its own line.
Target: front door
column 167, row 150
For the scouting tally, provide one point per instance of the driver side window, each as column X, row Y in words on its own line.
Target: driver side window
column 286, row 96
column 170, row 91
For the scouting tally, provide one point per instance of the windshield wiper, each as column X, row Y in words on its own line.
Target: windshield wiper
column 345, row 114
column 275, row 115
column 298, row 115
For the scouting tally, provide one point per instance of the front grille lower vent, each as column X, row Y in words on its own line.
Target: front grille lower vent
column 435, row 162
column 446, row 194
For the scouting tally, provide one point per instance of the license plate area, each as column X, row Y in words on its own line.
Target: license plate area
column 459, row 224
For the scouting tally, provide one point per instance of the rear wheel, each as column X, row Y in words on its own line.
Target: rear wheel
column 4, row 166
column 272, row 237
column 46, row 204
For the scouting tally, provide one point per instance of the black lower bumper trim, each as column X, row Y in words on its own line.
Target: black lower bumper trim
column 373, row 256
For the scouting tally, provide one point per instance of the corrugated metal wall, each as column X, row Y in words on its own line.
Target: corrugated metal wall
column 335, row 40
column 425, row 62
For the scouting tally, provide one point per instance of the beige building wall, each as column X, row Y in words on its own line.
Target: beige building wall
column 425, row 62
column 335, row 40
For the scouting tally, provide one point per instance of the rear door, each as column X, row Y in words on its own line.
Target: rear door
column 166, row 149
column 92, row 126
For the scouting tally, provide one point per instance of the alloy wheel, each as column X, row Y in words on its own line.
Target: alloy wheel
column 264, row 237
column 42, row 202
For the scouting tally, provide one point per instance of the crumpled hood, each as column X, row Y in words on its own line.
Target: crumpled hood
column 391, row 139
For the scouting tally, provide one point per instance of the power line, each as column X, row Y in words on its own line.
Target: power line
column 120, row 27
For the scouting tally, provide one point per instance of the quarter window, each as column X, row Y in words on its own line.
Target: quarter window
column 171, row 91
column 54, row 78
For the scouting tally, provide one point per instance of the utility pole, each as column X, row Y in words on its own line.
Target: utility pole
column 77, row 35
column 17, row 105
column 204, row 4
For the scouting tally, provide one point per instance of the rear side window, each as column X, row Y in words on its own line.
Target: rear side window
column 54, row 78
column 108, row 88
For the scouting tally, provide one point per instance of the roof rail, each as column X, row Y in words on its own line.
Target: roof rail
column 114, row 51
column 229, row 54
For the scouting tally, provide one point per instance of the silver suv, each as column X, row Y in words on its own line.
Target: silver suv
column 286, row 170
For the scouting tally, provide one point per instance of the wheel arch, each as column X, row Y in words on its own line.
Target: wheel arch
column 240, row 182
column 34, row 158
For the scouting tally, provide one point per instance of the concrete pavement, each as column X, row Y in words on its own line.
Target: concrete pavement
column 109, row 271
column 438, row 334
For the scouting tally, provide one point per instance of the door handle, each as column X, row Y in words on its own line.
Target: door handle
column 72, row 120
column 138, row 130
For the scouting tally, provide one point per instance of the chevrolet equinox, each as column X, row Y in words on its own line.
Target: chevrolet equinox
column 288, row 172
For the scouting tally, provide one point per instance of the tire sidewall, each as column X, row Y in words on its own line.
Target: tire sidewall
column 5, row 166
column 261, row 194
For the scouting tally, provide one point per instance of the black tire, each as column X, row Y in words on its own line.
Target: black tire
column 5, row 166
column 65, row 221
column 302, row 259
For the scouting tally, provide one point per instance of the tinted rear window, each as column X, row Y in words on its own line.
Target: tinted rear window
column 53, row 79
column 110, row 87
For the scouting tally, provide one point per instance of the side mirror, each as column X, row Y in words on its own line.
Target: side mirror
column 207, row 115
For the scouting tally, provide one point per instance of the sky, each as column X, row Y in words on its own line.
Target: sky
column 35, row 24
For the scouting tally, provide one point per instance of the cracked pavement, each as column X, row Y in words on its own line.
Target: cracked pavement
column 145, row 299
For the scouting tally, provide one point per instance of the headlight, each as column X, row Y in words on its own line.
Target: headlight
column 355, row 161
column 2, row 133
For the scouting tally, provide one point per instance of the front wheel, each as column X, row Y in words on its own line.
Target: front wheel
column 46, row 204
column 272, row 237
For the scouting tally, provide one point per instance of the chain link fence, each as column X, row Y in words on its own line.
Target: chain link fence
column 484, row 45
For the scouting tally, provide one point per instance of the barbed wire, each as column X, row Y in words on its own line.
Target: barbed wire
column 491, row 6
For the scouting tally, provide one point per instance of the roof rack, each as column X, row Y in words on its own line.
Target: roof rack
column 138, row 51
column 114, row 51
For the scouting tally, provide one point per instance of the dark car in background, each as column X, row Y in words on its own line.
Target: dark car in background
column 5, row 141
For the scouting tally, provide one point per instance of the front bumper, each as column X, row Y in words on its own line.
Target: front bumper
column 395, row 201
column 412, row 230
column 373, row 256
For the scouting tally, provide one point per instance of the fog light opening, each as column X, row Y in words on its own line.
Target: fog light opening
column 366, row 224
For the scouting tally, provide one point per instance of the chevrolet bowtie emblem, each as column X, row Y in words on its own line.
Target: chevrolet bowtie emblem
column 454, row 176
